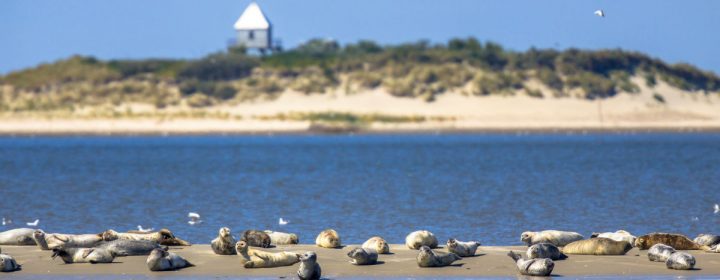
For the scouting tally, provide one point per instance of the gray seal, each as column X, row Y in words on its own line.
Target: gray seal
column 660, row 252
column 224, row 244
column 545, row 251
column 162, row 260
column 256, row 238
column 17, row 237
column 462, row 249
column 309, row 268
column 429, row 258
column 554, row 237
column 532, row 267
column 123, row 247
column 363, row 256
column 680, row 261
column 39, row 238
column 707, row 239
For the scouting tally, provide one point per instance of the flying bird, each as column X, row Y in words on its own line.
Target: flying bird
column 141, row 229
column 34, row 224
column 600, row 13
column 282, row 222
column 194, row 218
column 717, row 208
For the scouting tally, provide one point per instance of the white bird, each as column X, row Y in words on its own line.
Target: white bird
column 34, row 224
column 717, row 208
column 194, row 218
column 282, row 222
column 4, row 222
column 600, row 13
column 141, row 229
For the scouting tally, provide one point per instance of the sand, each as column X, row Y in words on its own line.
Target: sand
column 491, row 262
column 682, row 111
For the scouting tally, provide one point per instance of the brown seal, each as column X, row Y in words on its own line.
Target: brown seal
column 677, row 241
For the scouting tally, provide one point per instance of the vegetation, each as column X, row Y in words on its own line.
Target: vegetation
column 413, row 70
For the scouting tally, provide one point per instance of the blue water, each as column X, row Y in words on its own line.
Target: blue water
column 484, row 187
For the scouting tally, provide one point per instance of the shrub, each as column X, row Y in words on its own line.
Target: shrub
column 220, row 67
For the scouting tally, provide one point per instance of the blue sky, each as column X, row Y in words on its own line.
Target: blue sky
column 37, row 31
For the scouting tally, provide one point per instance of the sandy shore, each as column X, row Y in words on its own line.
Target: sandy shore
column 681, row 111
column 490, row 262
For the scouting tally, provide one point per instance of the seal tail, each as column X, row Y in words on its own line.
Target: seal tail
column 514, row 256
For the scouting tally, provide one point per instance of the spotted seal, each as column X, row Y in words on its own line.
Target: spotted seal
column 362, row 256
column 378, row 244
column 707, row 239
column 416, row 239
column 532, row 267
column 253, row 258
column 162, row 260
column 680, row 261
column 163, row 236
column 554, row 237
column 328, row 238
column 8, row 263
column 597, row 246
column 309, row 268
column 660, row 252
column 256, row 238
column 83, row 255
column 545, row 251
column 224, row 244
column 17, row 237
column 429, row 258
column 282, row 238
column 620, row 235
column 462, row 249
column 123, row 247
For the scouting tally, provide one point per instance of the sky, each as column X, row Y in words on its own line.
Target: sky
column 41, row 31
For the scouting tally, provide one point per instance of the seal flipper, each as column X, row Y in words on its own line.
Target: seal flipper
column 87, row 252
column 562, row 256
column 514, row 256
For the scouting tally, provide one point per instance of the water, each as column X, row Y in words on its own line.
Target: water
column 484, row 187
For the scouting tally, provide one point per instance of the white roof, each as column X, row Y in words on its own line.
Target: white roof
column 252, row 18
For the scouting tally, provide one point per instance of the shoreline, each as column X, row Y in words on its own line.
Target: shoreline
column 490, row 261
column 60, row 127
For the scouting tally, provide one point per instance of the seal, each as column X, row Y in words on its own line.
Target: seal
column 677, row 241
column 707, row 239
column 532, row 267
column 83, row 255
column 554, row 237
column 328, row 238
column 362, row 256
column 17, row 237
column 252, row 258
column 164, row 237
column 282, row 238
column 545, row 251
column 309, row 267
column 241, row 248
column 39, row 238
column 429, row 258
column 713, row 249
column 256, row 238
column 597, row 246
column 620, row 235
column 58, row 240
column 224, row 244
column 416, row 239
column 378, row 244
column 162, row 260
column 680, row 261
column 660, row 253
column 123, row 247
column 462, row 249
column 8, row 263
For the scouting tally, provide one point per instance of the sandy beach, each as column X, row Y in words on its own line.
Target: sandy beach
column 681, row 111
column 490, row 262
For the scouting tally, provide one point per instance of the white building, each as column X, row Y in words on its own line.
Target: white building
column 254, row 30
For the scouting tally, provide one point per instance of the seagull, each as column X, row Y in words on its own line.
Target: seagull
column 141, row 229
column 34, row 224
column 282, row 222
column 4, row 222
column 717, row 208
column 600, row 13
column 194, row 218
